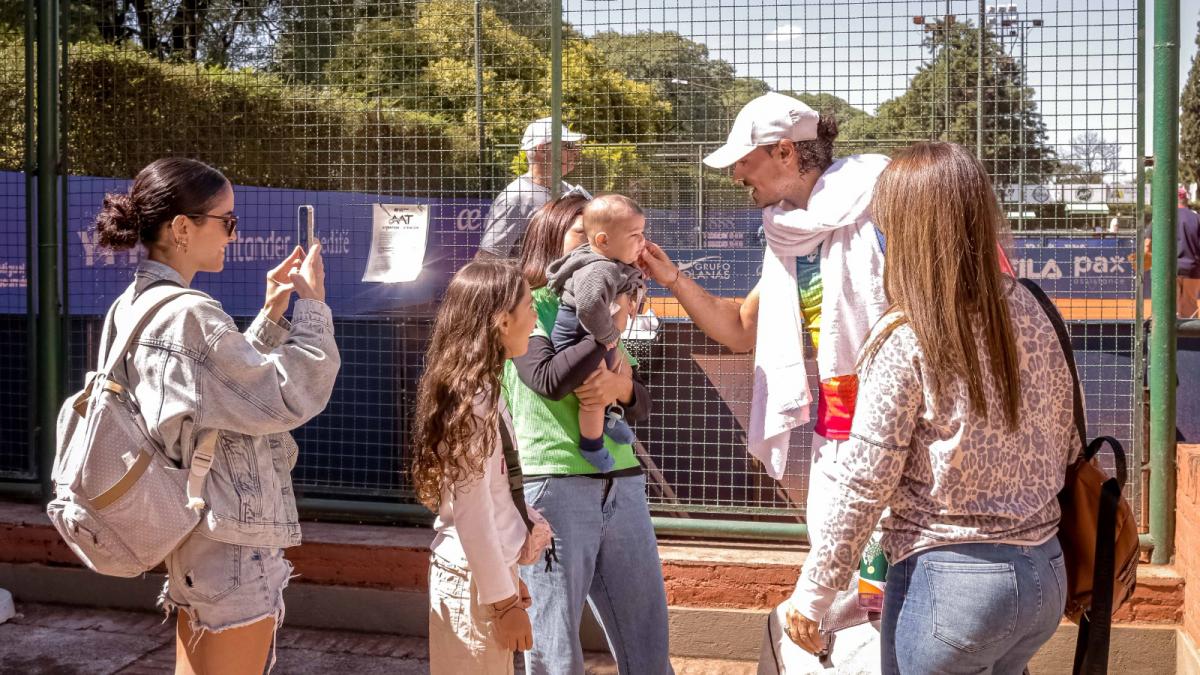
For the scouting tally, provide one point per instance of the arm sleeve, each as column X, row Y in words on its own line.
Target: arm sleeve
column 242, row 389
column 265, row 335
column 475, row 522
column 595, row 287
column 638, row 409
column 871, row 463
column 555, row 376
column 504, row 226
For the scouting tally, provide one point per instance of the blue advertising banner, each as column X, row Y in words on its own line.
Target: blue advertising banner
column 729, row 265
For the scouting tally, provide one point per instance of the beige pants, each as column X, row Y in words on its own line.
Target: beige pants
column 460, row 629
column 1186, row 291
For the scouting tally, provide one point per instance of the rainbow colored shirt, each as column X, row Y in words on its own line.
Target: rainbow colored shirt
column 837, row 395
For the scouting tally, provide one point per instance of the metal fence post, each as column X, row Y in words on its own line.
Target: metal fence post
column 49, row 366
column 980, row 34
column 479, row 81
column 1162, row 292
column 1141, row 387
column 556, row 97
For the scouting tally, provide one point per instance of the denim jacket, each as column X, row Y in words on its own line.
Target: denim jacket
column 193, row 371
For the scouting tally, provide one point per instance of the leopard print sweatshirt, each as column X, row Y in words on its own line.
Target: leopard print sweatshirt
column 949, row 474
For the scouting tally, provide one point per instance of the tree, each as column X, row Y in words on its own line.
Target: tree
column 426, row 62
column 219, row 32
column 1014, row 135
column 699, row 88
column 1189, row 124
column 1090, row 158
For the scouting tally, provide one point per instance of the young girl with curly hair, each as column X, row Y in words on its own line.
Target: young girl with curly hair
column 477, row 615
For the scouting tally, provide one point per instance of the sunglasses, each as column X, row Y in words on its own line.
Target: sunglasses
column 579, row 191
column 230, row 220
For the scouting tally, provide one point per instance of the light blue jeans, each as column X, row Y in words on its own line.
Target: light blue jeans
column 608, row 556
column 972, row 608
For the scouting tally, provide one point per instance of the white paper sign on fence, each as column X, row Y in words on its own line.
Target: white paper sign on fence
column 398, row 237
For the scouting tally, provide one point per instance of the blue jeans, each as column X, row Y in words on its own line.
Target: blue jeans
column 972, row 608
column 607, row 554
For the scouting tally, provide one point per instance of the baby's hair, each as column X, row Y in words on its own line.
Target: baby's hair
column 605, row 211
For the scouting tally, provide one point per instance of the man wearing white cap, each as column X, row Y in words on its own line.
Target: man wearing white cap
column 512, row 208
column 781, row 151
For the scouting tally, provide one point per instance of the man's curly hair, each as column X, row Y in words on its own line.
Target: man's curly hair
column 817, row 154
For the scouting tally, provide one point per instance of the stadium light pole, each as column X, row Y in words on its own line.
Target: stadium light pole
column 1006, row 22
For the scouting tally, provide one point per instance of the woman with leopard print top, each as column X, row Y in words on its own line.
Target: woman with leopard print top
column 963, row 433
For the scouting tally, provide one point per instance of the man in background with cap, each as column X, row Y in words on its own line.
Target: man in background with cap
column 781, row 151
column 512, row 208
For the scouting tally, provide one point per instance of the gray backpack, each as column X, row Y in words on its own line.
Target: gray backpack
column 120, row 503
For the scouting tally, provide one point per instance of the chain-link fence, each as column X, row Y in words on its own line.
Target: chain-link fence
column 16, row 413
column 350, row 105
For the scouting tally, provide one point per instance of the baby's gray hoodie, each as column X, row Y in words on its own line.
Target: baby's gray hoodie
column 590, row 283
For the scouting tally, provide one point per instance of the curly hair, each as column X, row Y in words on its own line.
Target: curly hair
column 462, row 368
column 816, row 154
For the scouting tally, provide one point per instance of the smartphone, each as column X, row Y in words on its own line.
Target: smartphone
column 306, row 221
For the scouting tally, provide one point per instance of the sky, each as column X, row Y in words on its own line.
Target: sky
column 1081, row 61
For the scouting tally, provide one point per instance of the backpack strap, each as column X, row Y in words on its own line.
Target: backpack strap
column 1095, row 627
column 143, row 309
column 516, row 480
column 106, row 332
column 202, row 459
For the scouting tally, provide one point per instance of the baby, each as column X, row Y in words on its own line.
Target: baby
column 594, row 282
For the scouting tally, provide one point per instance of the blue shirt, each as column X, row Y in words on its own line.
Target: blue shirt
column 1188, row 235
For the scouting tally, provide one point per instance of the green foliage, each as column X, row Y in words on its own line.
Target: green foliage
column 426, row 62
column 12, row 102
column 829, row 104
column 1189, row 124
column 1014, row 135
column 353, row 86
column 129, row 109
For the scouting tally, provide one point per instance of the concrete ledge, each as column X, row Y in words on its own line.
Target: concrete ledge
column 705, row 633
column 700, row 575
column 1187, row 658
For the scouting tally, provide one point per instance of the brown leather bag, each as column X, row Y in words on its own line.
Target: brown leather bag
column 1088, row 497
column 1097, row 531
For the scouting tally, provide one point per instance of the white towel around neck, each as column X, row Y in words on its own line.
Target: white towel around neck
column 849, row 305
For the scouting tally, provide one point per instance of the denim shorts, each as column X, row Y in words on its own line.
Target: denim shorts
column 222, row 586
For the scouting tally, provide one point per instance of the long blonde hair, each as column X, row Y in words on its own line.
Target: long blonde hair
column 464, row 360
column 936, row 205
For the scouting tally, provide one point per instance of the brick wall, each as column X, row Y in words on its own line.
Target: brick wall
column 1187, row 534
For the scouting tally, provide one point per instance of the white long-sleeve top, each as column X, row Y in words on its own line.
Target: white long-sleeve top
column 478, row 525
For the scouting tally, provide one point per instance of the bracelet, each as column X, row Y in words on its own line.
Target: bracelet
column 671, row 285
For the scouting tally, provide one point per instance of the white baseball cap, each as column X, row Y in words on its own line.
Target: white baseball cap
column 539, row 132
column 766, row 120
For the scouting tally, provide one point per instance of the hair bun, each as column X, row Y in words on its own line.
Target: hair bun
column 118, row 224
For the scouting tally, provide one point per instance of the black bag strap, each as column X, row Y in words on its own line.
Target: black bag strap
column 1095, row 628
column 516, row 480
column 1064, row 340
